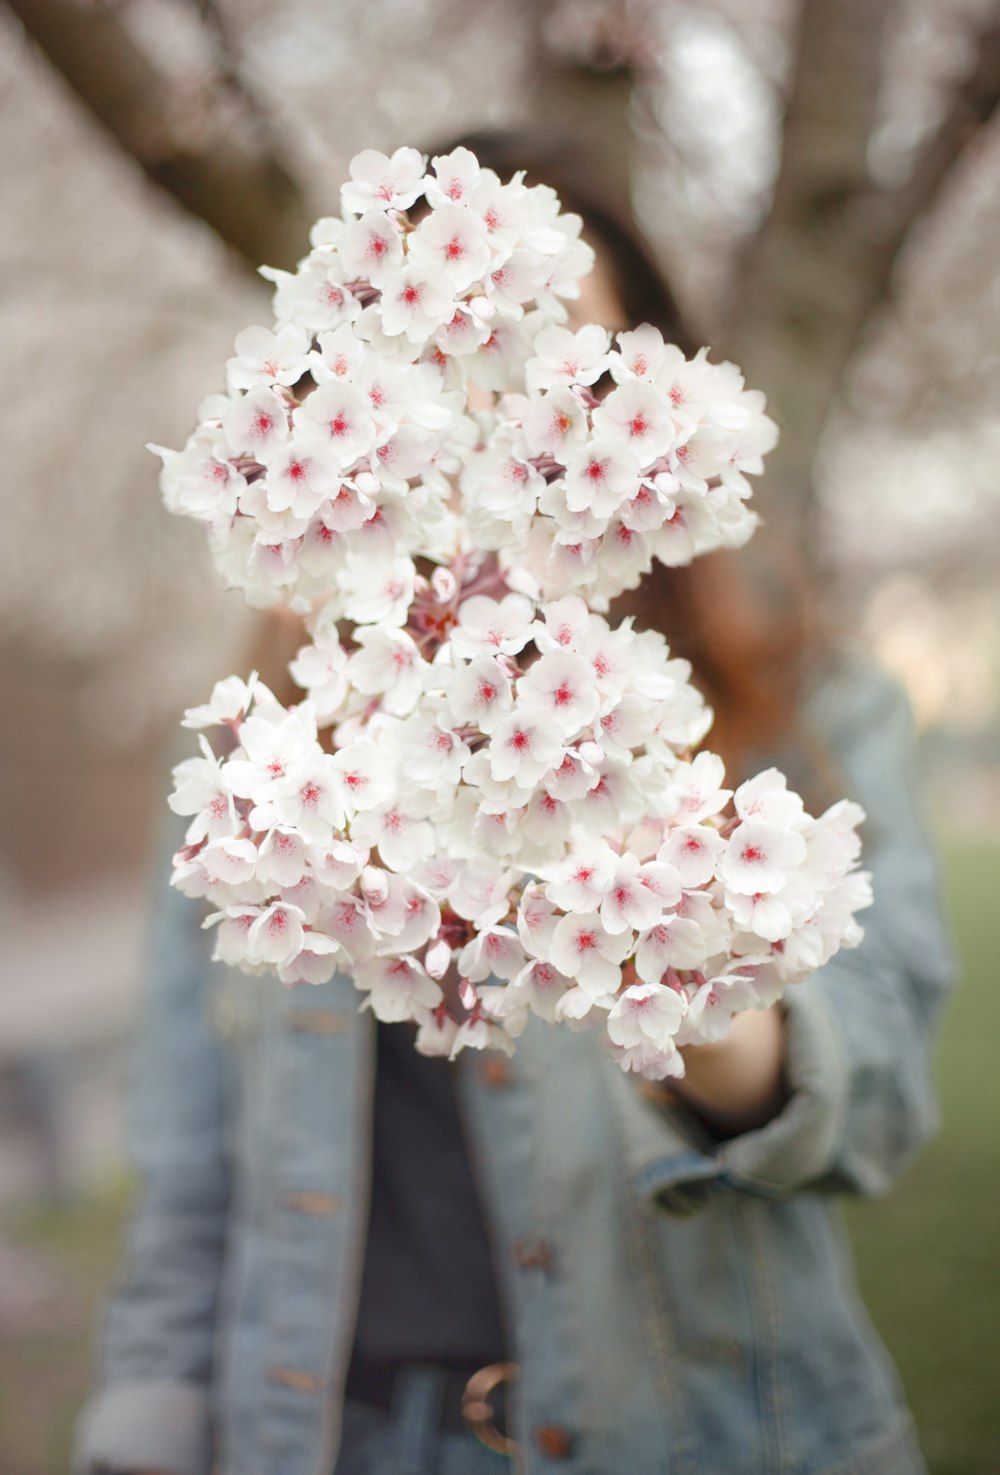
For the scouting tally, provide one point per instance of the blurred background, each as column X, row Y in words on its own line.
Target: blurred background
column 821, row 181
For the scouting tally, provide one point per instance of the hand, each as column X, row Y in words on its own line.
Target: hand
column 737, row 1084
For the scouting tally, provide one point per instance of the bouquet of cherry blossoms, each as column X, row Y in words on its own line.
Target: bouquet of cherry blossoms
column 487, row 804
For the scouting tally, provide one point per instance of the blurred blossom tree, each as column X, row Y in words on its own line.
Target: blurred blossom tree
column 818, row 177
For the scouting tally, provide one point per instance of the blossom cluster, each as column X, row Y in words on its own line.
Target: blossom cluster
column 327, row 467
column 576, row 492
column 516, row 815
column 489, row 804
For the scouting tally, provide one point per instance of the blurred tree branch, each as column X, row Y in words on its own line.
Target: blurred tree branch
column 242, row 189
column 823, row 260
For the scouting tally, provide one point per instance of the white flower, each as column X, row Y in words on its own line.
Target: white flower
column 228, row 704
column 270, row 750
column 364, row 775
column 232, row 933
column 479, row 891
column 451, row 243
column 536, row 920
column 263, row 357
column 300, row 478
column 386, row 183
column 480, row 692
column 339, row 354
column 560, row 687
column 339, row 417
column 432, row 755
column 599, row 477
column 276, row 935
column 372, row 247
column 758, row 857
column 199, row 483
column 524, row 750
column 693, row 851
column 641, row 353
column 405, row 918
column 414, row 302
column 346, row 921
column 228, row 861
column 199, row 790
column 281, row 859
column 256, row 424
column 564, row 624
column 336, row 864
column 637, row 895
column 397, row 988
column 675, row 942
column 493, row 952
column 316, row 295
column 646, row 1013
column 579, row 882
column 436, row 1034
column 767, row 797
column 348, row 510
column 638, row 416
column 402, row 840
column 562, row 357
column 389, row 665
column 515, row 280
column 646, row 1060
column 318, row 961
column 453, row 179
column 540, row 986
column 374, row 592
column 583, row 950
column 555, row 424
column 321, row 670
column 492, row 627
column 310, row 798
column 697, row 788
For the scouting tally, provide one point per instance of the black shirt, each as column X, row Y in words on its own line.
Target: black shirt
column 428, row 1291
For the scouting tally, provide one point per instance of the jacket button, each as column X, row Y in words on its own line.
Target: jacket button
column 554, row 1440
column 531, row 1254
column 496, row 1072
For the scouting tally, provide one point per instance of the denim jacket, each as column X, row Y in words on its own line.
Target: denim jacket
column 677, row 1306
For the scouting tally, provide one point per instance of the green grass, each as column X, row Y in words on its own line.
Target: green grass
column 929, row 1256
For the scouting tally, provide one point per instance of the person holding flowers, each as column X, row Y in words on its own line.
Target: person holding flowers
column 567, row 1204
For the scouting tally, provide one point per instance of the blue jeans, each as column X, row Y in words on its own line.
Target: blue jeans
column 408, row 1439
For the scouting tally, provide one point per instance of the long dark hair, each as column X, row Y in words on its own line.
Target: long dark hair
column 748, row 652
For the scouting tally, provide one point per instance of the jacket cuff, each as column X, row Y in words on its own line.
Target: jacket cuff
column 146, row 1424
column 791, row 1152
column 799, row 1145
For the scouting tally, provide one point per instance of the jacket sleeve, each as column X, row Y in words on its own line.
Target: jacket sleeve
column 151, row 1411
column 859, row 1033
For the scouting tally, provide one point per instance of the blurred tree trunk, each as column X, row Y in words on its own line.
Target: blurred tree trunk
column 823, row 259
column 243, row 190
